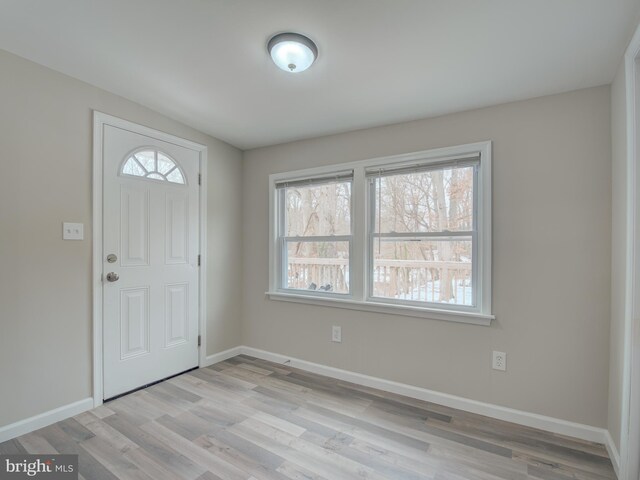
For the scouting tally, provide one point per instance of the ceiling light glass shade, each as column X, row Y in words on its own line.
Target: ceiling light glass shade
column 292, row 52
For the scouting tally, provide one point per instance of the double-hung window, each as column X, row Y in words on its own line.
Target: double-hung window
column 409, row 234
column 315, row 234
column 422, row 233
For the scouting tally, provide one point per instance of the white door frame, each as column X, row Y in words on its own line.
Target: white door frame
column 99, row 121
column 630, row 422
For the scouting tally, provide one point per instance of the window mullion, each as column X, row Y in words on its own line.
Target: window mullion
column 476, row 261
column 320, row 238
column 282, row 245
column 370, row 198
column 425, row 235
column 358, row 272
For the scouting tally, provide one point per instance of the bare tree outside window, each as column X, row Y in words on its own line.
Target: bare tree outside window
column 317, row 236
column 408, row 233
column 423, row 236
column 422, row 240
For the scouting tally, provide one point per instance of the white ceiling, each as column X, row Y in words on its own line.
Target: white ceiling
column 204, row 62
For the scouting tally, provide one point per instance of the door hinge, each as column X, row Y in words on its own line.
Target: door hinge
column 199, row 179
column 199, row 260
column 199, row 340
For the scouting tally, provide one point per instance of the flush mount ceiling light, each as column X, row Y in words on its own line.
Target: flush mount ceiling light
column 292, row 52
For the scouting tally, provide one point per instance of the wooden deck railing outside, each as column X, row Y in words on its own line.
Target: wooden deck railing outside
column 448, row 282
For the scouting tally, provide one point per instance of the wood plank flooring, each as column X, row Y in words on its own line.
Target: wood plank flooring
column 248, row 419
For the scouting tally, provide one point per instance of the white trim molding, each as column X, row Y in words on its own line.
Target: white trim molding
column 533, row 420
column 612, row 450
column 542, row 422
column 99, row 121
column 630, row 421
column 202, row 277
column 44, row 419
column 379, row 307
column 360, row 296
column 222, row 356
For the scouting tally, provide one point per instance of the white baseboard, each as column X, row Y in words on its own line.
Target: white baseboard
column 542, row 422
column 52, row 416
column 614, row 455
column 44, row 419
column 222, row 356
column 534, row 420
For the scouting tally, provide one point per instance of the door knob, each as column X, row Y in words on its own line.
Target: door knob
column 112, row 277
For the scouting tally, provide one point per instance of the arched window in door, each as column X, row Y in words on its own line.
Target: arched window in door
column 154, row 165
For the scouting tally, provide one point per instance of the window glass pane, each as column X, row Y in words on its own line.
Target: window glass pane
column 165, row 164
column 147, row 159
column 323, row 209
column 430, row 201
column 143, row 164
column 317, row 266
column 175, row 177
column 437, row 271
column 133, row 168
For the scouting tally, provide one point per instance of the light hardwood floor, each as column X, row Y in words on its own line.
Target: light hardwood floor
column 246, row 418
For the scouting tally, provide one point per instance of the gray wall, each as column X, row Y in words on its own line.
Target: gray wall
column 554, row 327
column 551, row 269
column 45, row 286
column 618, row 251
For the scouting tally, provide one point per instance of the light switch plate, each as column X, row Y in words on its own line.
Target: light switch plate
column 72, row 231
column 336, row 334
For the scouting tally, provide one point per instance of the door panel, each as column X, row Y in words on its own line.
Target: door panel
column 134, row 322
column 177, row 314
column 134, row 225
column 151, row 225
column 177, row 228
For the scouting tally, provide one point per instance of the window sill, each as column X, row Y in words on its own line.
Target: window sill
column 391, row 309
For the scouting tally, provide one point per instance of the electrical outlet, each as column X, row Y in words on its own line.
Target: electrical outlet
column 499, row 361
column 336, row 334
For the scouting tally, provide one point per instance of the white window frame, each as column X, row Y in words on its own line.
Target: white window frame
column 282, row 240
column 372, row 237
column 360, row 262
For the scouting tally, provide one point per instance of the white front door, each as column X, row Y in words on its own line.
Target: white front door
column 150, row 260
